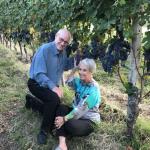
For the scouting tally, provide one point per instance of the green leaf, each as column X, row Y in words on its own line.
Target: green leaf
column 92, row 12
column 142, row 22
column 122, row 2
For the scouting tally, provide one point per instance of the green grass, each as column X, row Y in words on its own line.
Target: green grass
column 144, row 124
column 25, row 124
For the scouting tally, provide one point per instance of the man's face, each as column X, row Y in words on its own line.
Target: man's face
column 62, row 40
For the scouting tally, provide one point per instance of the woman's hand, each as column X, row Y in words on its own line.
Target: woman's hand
column 70, row 76
column 59, row 121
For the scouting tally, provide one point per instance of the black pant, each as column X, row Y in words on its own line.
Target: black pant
column 73, row 127
column 50, row 102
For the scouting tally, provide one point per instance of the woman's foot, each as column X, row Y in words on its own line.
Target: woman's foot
column 62, row 143
column 63, row 147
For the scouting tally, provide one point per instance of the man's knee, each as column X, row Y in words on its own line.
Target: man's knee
column 52, row 103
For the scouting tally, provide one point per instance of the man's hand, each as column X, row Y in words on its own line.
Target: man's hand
column 58, row 91
column 59, row 121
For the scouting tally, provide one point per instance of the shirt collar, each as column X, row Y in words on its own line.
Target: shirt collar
column 86, row 84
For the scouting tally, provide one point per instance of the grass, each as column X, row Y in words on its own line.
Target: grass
column 23, row 125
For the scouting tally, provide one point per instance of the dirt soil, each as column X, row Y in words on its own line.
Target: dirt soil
column 5, row 142
column 118, row 100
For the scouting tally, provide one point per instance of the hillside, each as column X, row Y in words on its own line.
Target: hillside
column 19, row 127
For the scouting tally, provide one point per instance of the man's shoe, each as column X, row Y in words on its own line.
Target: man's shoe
column 42, row 137
column 28, row 101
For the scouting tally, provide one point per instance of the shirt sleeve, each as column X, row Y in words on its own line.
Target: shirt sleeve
column 94, row 98
column 69, row 63
column 78, row 111
column 44, row 81
column 90, row 101
column 73, row 82
column 40, row 70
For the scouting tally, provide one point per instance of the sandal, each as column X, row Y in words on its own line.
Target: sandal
column 58, row 148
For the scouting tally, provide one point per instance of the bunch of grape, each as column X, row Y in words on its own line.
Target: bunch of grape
column 73, row 47
column 94, row 48
column 44, row 36
column 23, row 36
column 14, row 35
column 119, row 49
column 26, row 36
column 86, row 52
column 108, row 62
column 78, row 57
column 51, row 36
column 147, row 58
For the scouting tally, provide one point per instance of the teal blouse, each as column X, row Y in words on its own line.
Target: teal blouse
column 86, row 101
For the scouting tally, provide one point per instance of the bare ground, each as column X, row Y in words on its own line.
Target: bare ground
column 6, row 142
column 119, row 100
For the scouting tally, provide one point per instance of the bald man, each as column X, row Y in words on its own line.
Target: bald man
column 46, row 71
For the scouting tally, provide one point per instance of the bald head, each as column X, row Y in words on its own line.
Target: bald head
column 62, row 39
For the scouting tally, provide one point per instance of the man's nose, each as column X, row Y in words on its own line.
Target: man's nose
column 63, row 43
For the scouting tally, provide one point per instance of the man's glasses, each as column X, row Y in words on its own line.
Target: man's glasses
column 62, row 40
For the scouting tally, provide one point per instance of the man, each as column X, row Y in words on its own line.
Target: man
column 46, row 71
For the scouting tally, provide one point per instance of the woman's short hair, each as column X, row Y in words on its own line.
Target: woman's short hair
column 89, row 63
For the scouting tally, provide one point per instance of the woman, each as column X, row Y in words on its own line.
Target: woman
column 84, row 115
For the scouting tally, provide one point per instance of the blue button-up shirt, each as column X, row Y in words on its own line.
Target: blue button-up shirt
column 48, row 65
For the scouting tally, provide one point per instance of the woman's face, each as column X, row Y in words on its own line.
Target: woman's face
column 84, row 73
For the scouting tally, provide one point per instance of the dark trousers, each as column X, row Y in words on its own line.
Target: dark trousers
column 73, row 127
column 50, row 102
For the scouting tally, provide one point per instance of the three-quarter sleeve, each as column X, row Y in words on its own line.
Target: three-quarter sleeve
column 88, row 102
